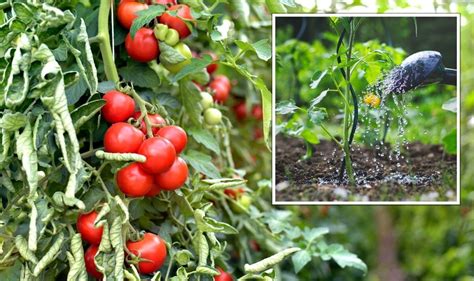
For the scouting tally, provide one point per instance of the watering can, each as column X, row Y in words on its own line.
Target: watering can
column 419, row 69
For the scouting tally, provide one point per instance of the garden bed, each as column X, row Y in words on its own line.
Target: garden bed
column 425, row 173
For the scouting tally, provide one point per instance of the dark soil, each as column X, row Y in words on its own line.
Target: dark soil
column 421, row 173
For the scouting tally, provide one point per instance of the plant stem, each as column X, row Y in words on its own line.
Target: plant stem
column 347, row 111
column 104, row 41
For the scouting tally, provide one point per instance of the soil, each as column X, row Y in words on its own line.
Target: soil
column 421, row 173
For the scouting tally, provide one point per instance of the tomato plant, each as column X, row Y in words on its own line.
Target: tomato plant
column 150, row 184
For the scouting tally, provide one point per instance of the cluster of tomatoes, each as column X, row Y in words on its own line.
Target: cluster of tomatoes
column 145, row 45
column 163, row 168
column 150, row 249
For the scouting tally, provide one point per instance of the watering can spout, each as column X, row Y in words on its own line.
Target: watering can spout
column 450, row 76
column 421, row 68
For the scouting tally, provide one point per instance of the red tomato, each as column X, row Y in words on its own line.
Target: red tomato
column 144, row 46
column 254, row 245
column 257, row 133
column 160, row 155
column 152, row 249
column 223, row 276
column 221, row 92
column 240, row 111
column 176, row 135
column 155, row 119
column 223, row 79
column 118, row 106
column 133, row 181
column 234, row 193
column 85, row 226
column 155, row 190
column 175, row 177
column 257, row 112
column 90, row 262
column 162, row 2
column 127, row 12
column 122, row 137
column 211, row 68
column 176, row 22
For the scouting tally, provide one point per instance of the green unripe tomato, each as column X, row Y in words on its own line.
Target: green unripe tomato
column 184, row 50
column 160, row 31
column 172, row 37
column 206, row 100
column 212, row 116
column 245, row 201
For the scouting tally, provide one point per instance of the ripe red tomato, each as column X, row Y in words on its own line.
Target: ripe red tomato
column 175, row 177
column 144, row 46
column 257, row 112
column 133, row 181
column 162, row 2
column 176, row 135
column 240, row 110
column 234, row 193
column 152, row 249
column 118, row 106
column 221, row 92
column 127, row 12
column 90, row 263
column 254, row 245
column 85, row 226
column 257, row 133
column 160, row 155
column 223, row 79
column 155, row 190
column 155, row 119
column 175, row 22
column 211, row 68
column 223, row 276
column 122, row 137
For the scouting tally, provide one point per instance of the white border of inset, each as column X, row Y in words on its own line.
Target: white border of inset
column 458, row 95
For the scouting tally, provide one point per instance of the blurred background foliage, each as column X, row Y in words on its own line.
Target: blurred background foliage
column 403, row 242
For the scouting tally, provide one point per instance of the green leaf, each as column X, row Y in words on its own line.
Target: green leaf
column 314, row 233
column 310, row 135
column 145, row 17
column 105, row 86
column 300, row 259
column 190, row 97
column 205, row 138
column 286, row 107
column 13, row 121
column 202, row 163
column 317, row 115
column 170, row 55
column 275, row 7
column 317, row 77
column 319, row 98
column 262, row 48
column 345, row 258
column 140, row 75
column 85, row 112
column 451, row 105
column 196, row 65
column 450, row 142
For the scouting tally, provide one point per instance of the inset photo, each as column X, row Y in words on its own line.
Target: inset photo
column 366, row 109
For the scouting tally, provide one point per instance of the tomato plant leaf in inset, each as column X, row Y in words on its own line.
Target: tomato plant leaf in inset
column 317, row 77
column 286, row 107
column 450, row 142
column 319, row 98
